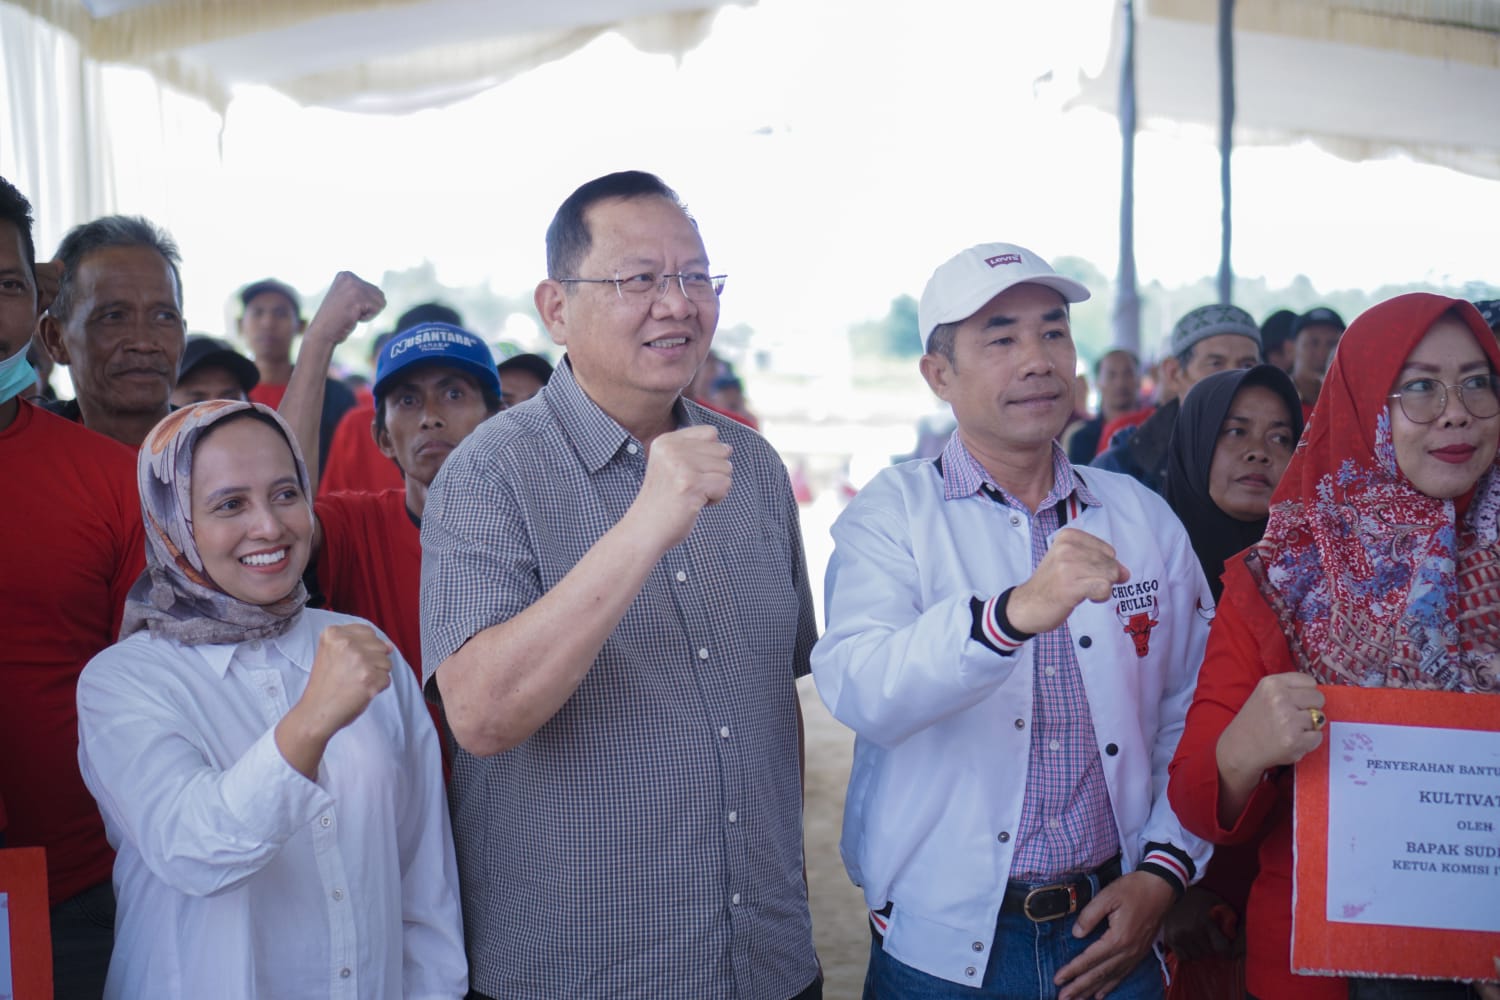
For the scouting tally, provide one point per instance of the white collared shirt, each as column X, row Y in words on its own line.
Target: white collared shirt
column 237, row 877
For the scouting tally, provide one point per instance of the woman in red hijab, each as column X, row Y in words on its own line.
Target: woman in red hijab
column 1378, row 568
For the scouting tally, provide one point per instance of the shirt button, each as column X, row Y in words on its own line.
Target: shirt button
column 338, row 895
column 325, row 821
column 733, row 816
column 1054, row 823
column 703, row 653
column 977, row 946
column 1051, row 671
column 969, row 971
column 1013, row 520
column 1053, row 745
column 724, row 732
column 1085, row 642
column 271, row 690
column 681, row 577
column 735, row 899
column 344, row 973
column 1004, row 837
column 255, row 645
column 1020, row 723
column 632, row 448
column 1111, row 749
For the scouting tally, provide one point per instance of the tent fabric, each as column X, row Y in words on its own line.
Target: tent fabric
column 1390, row 76
column 368, row 55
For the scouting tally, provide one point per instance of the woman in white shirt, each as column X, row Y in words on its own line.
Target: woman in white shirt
column 269, row 778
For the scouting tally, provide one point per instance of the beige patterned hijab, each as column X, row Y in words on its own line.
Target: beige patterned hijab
column 174, row 598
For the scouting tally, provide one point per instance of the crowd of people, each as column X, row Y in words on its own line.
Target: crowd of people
column 480, row 680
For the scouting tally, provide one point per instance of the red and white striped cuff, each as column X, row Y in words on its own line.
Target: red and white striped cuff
column 1167, row 862
column 993, row 633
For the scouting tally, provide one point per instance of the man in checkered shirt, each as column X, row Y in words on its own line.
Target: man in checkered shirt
column 1015, row 643
column 615, row 608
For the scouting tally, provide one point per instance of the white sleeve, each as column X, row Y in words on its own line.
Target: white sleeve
column 433, row 961
column 886, row 666
column 1192, row 603
column 199, row 829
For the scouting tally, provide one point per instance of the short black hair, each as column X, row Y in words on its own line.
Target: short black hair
column 491, row 400
column 1276, row 331
column 427, row 312
column 568, row 237
column 1134, row 359
column 15, row 209
column 109, row 231
column 940, row 341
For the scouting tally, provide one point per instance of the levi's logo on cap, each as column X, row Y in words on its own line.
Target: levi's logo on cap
column 1004, row 258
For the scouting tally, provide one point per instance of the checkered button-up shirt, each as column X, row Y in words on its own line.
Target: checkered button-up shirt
column 1066, row 821
column 647, row 840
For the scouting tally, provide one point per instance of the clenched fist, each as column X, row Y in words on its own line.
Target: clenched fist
column 686, row 470
column 1275, row 727
column 351, row 300
column 1078, row 567
column 351, row 666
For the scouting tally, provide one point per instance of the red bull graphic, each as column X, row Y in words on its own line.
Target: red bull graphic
column 1139, row 623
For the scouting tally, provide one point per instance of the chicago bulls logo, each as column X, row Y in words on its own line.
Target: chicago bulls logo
column 1139, row 612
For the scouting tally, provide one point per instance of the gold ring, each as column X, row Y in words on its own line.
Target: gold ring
column 1318, row 719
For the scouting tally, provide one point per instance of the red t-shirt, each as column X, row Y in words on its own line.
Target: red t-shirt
column 270, row 395
column 355, row 463
column 74, row 546
column 371, row 566
column 1132, row 419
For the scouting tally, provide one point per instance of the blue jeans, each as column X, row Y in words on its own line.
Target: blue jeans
column 1022, row 963
column 83, row 935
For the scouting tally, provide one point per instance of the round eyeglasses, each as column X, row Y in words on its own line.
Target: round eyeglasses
column 696, row 285
column 1423, row 400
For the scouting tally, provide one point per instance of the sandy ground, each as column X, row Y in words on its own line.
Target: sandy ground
column 840, row 927
column 838, row 910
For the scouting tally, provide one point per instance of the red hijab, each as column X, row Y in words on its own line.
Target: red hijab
column 1375, row 583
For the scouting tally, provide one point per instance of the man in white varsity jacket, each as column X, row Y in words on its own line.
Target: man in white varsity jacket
column 1015, row 643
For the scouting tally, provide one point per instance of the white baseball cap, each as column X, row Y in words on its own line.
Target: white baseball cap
column 971, row 278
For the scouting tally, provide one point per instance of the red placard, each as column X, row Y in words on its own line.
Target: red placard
column 1321, row 946
column 23, row 881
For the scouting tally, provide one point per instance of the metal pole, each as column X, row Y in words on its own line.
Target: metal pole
column 1226, row 144
column 1127, row 314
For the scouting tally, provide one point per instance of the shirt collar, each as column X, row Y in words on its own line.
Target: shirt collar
column 963, row 476
column 594, row 434
column 296, row 644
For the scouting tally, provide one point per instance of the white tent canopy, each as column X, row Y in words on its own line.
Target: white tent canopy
column 369, row 55
column 1361, row 78
column 71, row 67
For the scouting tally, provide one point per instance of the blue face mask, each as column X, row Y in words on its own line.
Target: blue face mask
column 16, row 376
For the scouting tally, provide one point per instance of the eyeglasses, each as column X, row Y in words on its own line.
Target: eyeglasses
column 695, row 285
column 1423, row 400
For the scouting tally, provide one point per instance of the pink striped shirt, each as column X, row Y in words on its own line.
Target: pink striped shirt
column 1067, row 824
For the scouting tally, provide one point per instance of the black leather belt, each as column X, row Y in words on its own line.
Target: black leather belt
column 1055, row 900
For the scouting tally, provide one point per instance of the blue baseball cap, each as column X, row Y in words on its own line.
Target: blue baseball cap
column 436, row 344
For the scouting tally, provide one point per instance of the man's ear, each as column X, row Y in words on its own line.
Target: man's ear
column 51, row 333
column 383, row 439
column 937, row 370
column 1171, row 374
column 551, row 300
